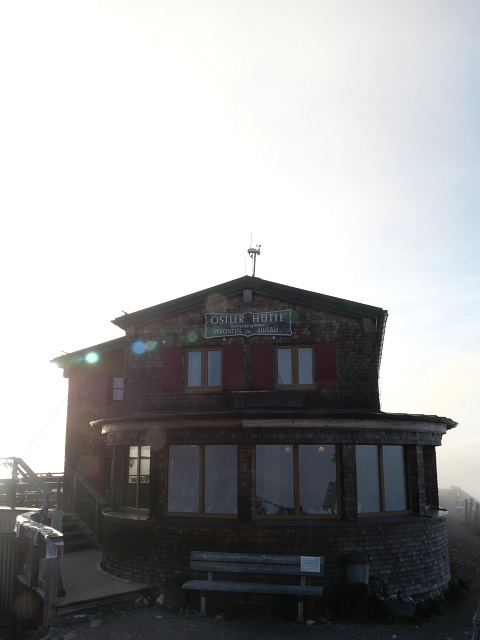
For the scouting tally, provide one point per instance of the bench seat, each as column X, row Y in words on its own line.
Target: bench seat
column 248, row 564
column 254, row 587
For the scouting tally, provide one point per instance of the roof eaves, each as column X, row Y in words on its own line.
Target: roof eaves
column 264, row 287
column 76, row 357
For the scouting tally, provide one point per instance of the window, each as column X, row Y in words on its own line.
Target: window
column 202, row 479
column 381, row 479
column 117, row 388
column 204, row 369
column 294, row 366
column 136, row 492
column 296, row 480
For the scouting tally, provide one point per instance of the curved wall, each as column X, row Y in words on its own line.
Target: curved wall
column 410, row 553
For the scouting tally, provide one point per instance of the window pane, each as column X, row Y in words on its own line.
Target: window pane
column 274, row 479
column 214, row 369
column 394, row 479
column 220, row 479
column 284, row 363
column 117, row 388
column 137, row 478
column 194, row 368
column 305, row 365
column 318, row 479
column 183, row 474
column 144, row 469
column 368, row 479
column 133, row 464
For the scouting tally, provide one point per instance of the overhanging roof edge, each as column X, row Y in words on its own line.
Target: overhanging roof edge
column 265, row 287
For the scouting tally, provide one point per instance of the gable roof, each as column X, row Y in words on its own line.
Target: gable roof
column 228, row 289
column 257, row 285
column 267, row 288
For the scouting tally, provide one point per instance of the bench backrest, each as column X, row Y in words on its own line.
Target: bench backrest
column 257, row 563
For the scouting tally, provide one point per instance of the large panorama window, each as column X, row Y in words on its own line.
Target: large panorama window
column 381, row 479
column 202, row 479
column 204, row 369
column 296, row 480
column 294, row 366
column 136, row 490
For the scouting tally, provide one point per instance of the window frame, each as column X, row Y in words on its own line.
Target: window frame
column 201, row 484
column 204, row 370
column 381, row 479
column 297, row 513
column 126, row 475
column 114, row 387
column 294, row 366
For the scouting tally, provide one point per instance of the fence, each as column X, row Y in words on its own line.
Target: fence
column 472, row 514
column 37, row 541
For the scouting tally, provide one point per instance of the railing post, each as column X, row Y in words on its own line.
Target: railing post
column 35, row 566
column 13, row 486
column 50, row 589
column 59, row 494
column 74, row 494
column 466, row 510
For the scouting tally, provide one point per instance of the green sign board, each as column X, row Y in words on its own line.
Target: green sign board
column 249, row 323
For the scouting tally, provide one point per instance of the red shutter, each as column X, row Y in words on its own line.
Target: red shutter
column 232, row 367
column 100, row 389
column 172, row 369
column 262, row 366
column 326, row 364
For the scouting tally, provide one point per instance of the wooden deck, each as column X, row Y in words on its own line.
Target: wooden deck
column 87, row 585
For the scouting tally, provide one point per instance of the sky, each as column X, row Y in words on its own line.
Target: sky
column 146, row 145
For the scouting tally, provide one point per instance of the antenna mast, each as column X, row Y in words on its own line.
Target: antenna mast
column 253, row 253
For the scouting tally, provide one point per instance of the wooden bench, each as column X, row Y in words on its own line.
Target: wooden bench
column 256, row 564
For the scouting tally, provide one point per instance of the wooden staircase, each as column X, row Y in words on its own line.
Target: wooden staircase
column 78, row 535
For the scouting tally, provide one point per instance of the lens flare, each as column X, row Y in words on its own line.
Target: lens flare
column 138, row 347
column 92, row 357
column 192, row 336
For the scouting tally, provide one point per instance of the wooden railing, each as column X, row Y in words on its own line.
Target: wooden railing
column 87, row 502
column 25, row 488
column 38, row 541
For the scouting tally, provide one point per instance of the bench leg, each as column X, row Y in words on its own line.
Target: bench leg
column 203, row 603
column 300, row 619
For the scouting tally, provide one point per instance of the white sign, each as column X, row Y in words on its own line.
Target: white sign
column 310, row 564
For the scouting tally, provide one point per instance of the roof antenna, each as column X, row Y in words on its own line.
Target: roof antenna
column 253, row 253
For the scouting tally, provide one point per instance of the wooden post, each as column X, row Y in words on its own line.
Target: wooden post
column 35, row 566
column 476, row 521
column 12, row 498
column 51, row 588
column 300, row 617
column 466, row 510
column 57, row 524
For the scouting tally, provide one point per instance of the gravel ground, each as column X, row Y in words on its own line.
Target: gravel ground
column 157, row 622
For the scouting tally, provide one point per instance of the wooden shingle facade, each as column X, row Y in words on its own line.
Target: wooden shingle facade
column 246, row 417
